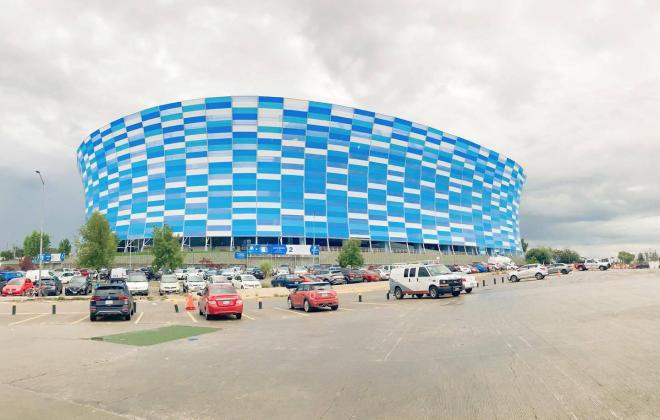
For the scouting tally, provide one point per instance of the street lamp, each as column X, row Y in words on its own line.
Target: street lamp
column 41, row 235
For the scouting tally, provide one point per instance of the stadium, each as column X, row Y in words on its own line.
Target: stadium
column 228, row 171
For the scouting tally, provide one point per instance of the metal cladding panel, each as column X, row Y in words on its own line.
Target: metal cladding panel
column 278, row 167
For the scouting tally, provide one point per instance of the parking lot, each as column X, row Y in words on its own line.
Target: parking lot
column 583, row 345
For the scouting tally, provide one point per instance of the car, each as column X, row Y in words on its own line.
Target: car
column 370, row 275
column 464, row 269
column 300, row 270
column 480, row 267
column 8, row 275
column 591, row 264
column 246, row 281
column 641, row 265
column 78, row 285
column 425, row 279
column 283, row 269
column 34, row 274
column 352, row 276
column 118, row 274
column 528, row 271
column 559, row 268
column 469, row 283
column 256, row 272
column 137, row 283
column 19, row 286
column 218, row 278
column 286, row 280
column 181, row 273
column 311, row 296
column 49, row 286
column 384, row 274
column 112, row 299
column 194, row 283
column 169, row 284
column 66, row 276
column 331, row 276
column 220, row 299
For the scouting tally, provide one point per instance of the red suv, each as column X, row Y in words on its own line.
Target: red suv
column 220, row 299
column 17, row 287
column 311, row 296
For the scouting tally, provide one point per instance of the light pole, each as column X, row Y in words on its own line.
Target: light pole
column 41, row 235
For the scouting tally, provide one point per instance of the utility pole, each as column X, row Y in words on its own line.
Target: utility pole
column 41, row 235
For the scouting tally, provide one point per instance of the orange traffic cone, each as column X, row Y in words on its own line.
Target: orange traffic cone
column 190, row 305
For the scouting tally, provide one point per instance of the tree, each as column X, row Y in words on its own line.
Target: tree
column 64, row 247
column 626, row 257
column 540, row 255
column 166, row 249
column 266, row 268
column 26, row 263
column 640, row 258
column 6, row 255
column 350, row 254
column 31, row 243
column 98, row 245
column 524, row 244
column 653, row 256
column 566, row 256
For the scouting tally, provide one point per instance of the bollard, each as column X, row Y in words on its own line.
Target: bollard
column 54, row 309
column 494, row 281
column 483, row 282
column 13, row 309
column 360, row 297
column 134, row 307
column 387, row 295
column 260, row 304
column 176, row 308
column 502, row 279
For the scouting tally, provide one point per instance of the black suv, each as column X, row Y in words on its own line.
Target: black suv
column 111, row 299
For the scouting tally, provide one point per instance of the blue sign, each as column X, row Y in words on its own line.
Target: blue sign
column 315, row 249
column 277, row 249
column 240, row 255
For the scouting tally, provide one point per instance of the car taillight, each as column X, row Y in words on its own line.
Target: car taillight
column 123, row 297
column 239, row 302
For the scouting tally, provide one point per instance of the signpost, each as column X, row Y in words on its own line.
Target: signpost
column 240, row 255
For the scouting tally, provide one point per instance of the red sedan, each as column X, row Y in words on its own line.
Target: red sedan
column 310, row 296
column 220, row 299
column 369, row 275
column 17, row 287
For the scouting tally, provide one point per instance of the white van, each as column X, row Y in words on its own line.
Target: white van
column 118, row 274
column 34, row 275
column 424, row 279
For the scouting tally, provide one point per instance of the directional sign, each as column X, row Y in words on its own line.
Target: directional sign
column 240, row 255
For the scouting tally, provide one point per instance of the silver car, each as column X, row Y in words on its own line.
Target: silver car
column 559, row 268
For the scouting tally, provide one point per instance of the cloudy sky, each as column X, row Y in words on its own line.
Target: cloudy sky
column 570, row 90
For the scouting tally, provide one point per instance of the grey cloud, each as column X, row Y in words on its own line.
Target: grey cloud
column 569, row 90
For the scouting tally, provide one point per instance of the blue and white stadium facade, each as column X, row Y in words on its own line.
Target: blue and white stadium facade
column 224, row 170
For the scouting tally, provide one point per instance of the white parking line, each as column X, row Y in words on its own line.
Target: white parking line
column 248, row 316
column 292, row 311
column 79, row 320
column 137, row 321
column 191, row 316
column 347, row 309
column 26, row 320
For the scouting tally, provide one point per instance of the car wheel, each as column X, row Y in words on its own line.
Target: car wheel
column 468, row 290
column 539, row 276
column 564, row 271
column 419, row 295
column 306, row 306
column 207, row 316
column 603, row 268
column 398, row 293
column 456, row 293
column 239, row 316
column 92, row 318
column 334, row 307
column 127, row 317
column 514, row 279
column 200, row 311
column 289, row 303
column 433, row 292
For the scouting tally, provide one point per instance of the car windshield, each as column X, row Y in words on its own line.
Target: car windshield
column 221, row 290
column 135, row 277
column 168, row 279
column 108, row 290
column 248, row 278
column 321, row 287
column 77, row 280
column 194, row 277
column 438, row 270
column 15, row 282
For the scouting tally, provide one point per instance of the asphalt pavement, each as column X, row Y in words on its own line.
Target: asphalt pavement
column 584, row 345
